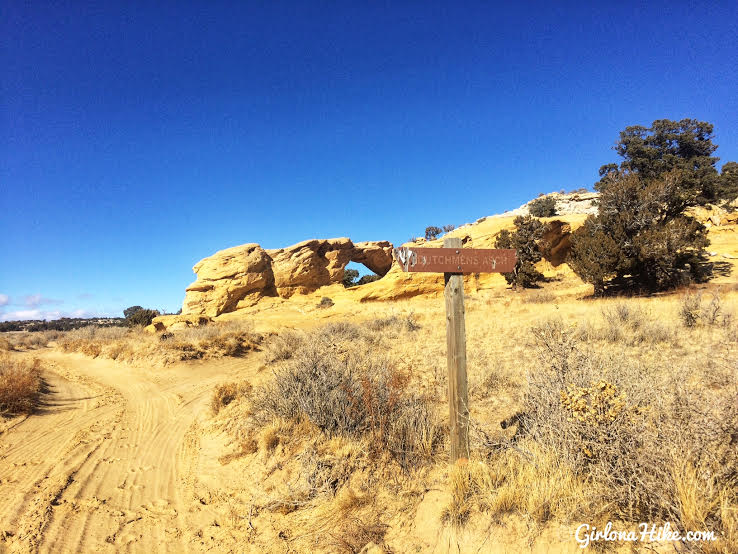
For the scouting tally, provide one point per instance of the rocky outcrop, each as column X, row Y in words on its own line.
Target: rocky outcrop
column 308, row 265
column 556, row 242
column 174, row 322
column 399, row 285
column 375, row 255
column 238, row 277
column 576, row 203
column 571, row 203
column 715, row 216
column 234, row 275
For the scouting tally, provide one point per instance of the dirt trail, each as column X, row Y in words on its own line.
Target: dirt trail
column 110, row 461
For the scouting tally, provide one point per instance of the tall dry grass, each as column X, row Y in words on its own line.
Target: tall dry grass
column 20, row 384
column 614, row 410
column 135, row 344
column 337, row 421
column 26, row 340
column 628, row 417
column 338, row 379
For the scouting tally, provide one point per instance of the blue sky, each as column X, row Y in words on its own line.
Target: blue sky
column 136, row 140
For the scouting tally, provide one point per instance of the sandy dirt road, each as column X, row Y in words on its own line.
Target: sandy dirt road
column 110, row 461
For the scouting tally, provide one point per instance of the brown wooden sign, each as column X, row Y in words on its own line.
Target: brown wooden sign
column 455, row 260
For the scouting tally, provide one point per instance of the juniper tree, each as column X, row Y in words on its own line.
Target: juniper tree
column 666, row 146
column 728, row 187
column 432, row 232
column 543, row 206
column 349, row 277
column 128, row 312
column 642, row 233
column 141, row 317
column 526, row 241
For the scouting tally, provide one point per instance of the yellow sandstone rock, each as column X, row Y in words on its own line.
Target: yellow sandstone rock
column 239, row 277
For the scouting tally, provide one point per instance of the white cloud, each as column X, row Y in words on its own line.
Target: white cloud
column 35, row 300
column 4, row 299
column 29, row 314
column 48, row 314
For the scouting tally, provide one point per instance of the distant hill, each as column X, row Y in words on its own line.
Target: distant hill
column 62, row 324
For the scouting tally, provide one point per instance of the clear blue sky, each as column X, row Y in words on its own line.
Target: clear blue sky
column 136, row 140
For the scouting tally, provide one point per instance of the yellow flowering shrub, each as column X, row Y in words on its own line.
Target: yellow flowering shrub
column 597, row 405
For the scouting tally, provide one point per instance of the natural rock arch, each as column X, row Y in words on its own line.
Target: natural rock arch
column 238, row 277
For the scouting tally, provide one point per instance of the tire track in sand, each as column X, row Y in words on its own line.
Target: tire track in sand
column 109, row 462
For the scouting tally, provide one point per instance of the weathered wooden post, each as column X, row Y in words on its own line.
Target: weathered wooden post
column 453, row 261
column 458, row 399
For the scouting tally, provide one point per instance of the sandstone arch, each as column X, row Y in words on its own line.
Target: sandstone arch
column 238, row 277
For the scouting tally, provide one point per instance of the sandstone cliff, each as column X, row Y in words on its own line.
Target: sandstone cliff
column 238, row 277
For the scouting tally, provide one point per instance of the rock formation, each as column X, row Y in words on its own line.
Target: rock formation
column 310, row 264
column 228, row 277
column 556, row 242
column 237, row 277
column 375, row 255
column 584, row 202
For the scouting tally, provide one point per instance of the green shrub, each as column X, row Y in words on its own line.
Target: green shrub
column 365, row 279
column 325, row 302
column 525, row 240
column 544, row 206
column 349, row 277
column 432, row 232
column 142, row 317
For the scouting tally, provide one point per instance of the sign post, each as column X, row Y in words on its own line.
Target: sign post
column 453, row 261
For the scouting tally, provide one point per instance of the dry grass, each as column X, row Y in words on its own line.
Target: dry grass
column 6, row 345
column 336, row 423
column 539, row 297
column 394, row 323
column 228, row 392
column 616, row 411
column 135, row 344
column 697, row 311
column 27, row 340
column 338, row 382
column 607, row 430
column 528, row 481
column 284, row 345
column 20, row 384
column 628, row 323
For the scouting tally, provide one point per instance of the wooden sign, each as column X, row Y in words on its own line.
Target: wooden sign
column 453, row 261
